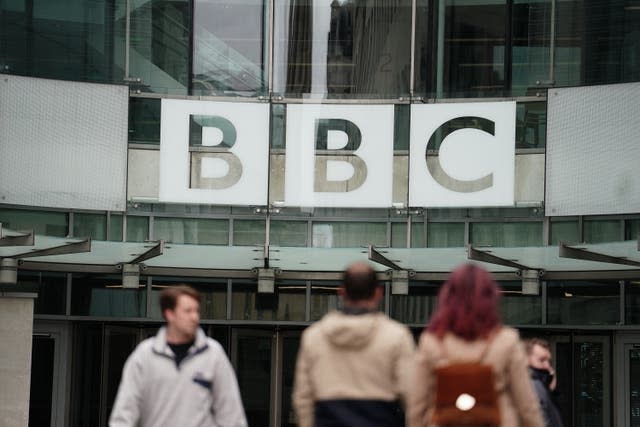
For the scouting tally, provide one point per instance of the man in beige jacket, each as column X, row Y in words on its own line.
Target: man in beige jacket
column 352, row 364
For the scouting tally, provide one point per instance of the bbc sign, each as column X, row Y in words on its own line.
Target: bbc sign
column 337, row 155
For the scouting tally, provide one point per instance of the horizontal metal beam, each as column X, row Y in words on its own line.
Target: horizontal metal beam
column 583, row 254
column 485, row 256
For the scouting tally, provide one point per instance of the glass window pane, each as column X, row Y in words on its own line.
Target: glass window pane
column 632, row 229
column 115, row 227
column 278, row 123
column 213, row 294
column 399, row 235
column 469, row 52
column 159, row 50
column 602, row 231
column 191, row 230
column 46, row 223
column 288, row 233
column 50, row 287
column 324, row 298
column 632, row 301
column 288, row 302
column 342, row 49
column 90, row 225
column 65, row 39
column 417, row 307
column 144, row 121
column 349, row 234
column 445, row 234
column 595, row 41
column 583, row 303
column 248, row 233
column 137, row 228
column 506, row 234
column 95, row 295
column 518, row 309
column 531, row 125
column 230, row 53
column 530, row 52
column 564, row 231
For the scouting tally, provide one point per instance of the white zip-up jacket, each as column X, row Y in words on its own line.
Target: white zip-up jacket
column 201, row 392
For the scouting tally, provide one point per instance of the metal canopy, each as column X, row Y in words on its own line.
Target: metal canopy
column 376, row 256
column 487, row 256
column 154, row 251
column 585, row 254
column 16, row 239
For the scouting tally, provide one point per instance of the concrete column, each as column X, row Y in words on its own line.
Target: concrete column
column 16, row 329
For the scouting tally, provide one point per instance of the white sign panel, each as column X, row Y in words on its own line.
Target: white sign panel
column 214, row 152
column 339, row 155
column 475, row 164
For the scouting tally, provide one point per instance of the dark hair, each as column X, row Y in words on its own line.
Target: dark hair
column 359, row 281
column 467, row 304
column 169, row 296
column 531, row 342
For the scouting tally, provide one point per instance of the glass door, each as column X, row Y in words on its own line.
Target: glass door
column 628, row 380
column 119, row 342
column 264, row 361
column 583, row 366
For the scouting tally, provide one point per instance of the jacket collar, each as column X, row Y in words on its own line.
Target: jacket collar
column 160, row 345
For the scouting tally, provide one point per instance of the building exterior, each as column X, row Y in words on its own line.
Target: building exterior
column 252, row 149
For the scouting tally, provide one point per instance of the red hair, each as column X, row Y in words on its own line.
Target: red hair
column 467, row 304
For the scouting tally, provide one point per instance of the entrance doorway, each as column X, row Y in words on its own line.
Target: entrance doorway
column 264, row 361
column 628, row 376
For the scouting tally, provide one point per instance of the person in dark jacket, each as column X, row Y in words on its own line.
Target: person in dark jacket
column 543, row 379
column 352, row 365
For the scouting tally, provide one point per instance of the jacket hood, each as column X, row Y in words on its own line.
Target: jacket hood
column 350, row 330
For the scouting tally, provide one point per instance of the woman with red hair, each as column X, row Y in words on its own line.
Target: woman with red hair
column 466, row 328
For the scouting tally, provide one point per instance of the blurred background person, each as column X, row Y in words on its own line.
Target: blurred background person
column 543, row 378
column 466, row 328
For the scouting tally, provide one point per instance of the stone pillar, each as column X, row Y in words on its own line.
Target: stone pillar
column 16, row 329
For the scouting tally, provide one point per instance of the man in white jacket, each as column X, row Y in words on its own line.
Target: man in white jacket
column 353, row 364
column 180, row 377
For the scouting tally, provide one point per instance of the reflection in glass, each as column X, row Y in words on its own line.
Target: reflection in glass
column 416, row 307
column 115, row 227
column 229, row 53
column 286, row 303
column 65, row 39
column 213, row 294
column 590, row 384
column 342, row 48
column 632, row 229
column 399, row 234
column 634, row 387
column 583, row 303
column 249, row 232
column 86, row 374
column 159, row 48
